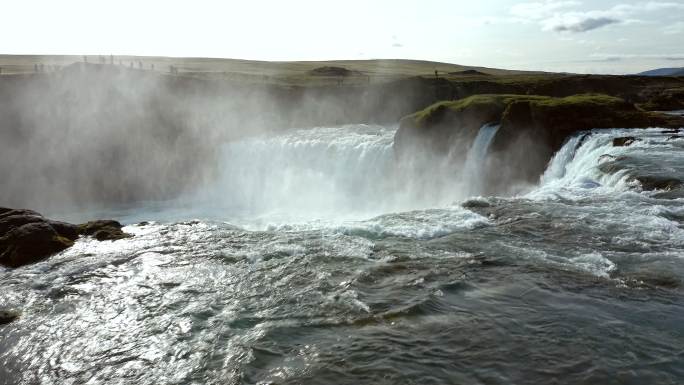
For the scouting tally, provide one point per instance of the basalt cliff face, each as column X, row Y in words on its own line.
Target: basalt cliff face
column 531, row 129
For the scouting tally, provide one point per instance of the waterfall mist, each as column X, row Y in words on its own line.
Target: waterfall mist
column 96, row 135
column 92, row 137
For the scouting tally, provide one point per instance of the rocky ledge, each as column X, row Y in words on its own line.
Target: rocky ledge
column 531, row 129
column 27, row 237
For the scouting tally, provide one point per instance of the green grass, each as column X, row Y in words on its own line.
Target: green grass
column 502, row 101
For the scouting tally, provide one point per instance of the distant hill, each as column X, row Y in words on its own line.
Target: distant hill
column 469, row 72
column 664, row 72
column 293, row 72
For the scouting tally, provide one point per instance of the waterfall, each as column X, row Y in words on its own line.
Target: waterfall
column 557, row 165
column 319, row 172
column 346, row 172
column 575, row 168
column 474, row 166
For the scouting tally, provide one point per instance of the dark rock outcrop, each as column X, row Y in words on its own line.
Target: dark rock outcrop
column 623, row 141
column 657, row 182
column 8, row 316
column 27, row 237
column 103, row 230
column 30, row 243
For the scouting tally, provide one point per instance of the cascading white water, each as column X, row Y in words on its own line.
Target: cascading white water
column 557, row 166
column 309, row 173
column 575, row 170
column 346, row 172
column 474, row 166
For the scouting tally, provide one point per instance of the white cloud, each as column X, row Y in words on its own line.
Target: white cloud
column 674, row 29
column 558, row 15
column 577, row 22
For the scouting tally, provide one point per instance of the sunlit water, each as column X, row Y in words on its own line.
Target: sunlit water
column 309, row 261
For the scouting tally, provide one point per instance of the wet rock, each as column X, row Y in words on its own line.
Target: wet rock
column 613, row 164
column 27, row 237
column 674, row 137
column 623, row 141
column 5, row 212
column 10, row 222
column 103, row 230
column 8, row 316
column 476, row 203
column 654, row 182
column 31, row 243
column 66, row 230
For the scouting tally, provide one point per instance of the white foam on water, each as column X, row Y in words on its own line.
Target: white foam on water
column 424, row 224
column 418, row 224
column 594, row 263
column 611, row 200
column 574, row 171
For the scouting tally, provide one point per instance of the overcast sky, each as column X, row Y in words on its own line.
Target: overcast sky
column 598, row 36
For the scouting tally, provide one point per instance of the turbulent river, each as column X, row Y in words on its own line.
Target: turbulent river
column 313, row 259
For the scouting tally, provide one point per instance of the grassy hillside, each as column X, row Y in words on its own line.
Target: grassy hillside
column 251, row 71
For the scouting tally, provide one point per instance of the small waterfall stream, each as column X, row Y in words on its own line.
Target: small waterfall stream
column 474, row 166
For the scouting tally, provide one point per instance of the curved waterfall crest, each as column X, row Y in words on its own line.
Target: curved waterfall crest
column 340, row 171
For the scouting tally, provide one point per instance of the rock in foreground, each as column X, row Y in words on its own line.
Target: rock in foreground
column 8, row 316
column 27, row 237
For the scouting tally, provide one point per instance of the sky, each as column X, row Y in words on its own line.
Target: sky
column 598, row 36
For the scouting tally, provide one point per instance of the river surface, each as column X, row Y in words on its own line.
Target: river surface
column 312, row 259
